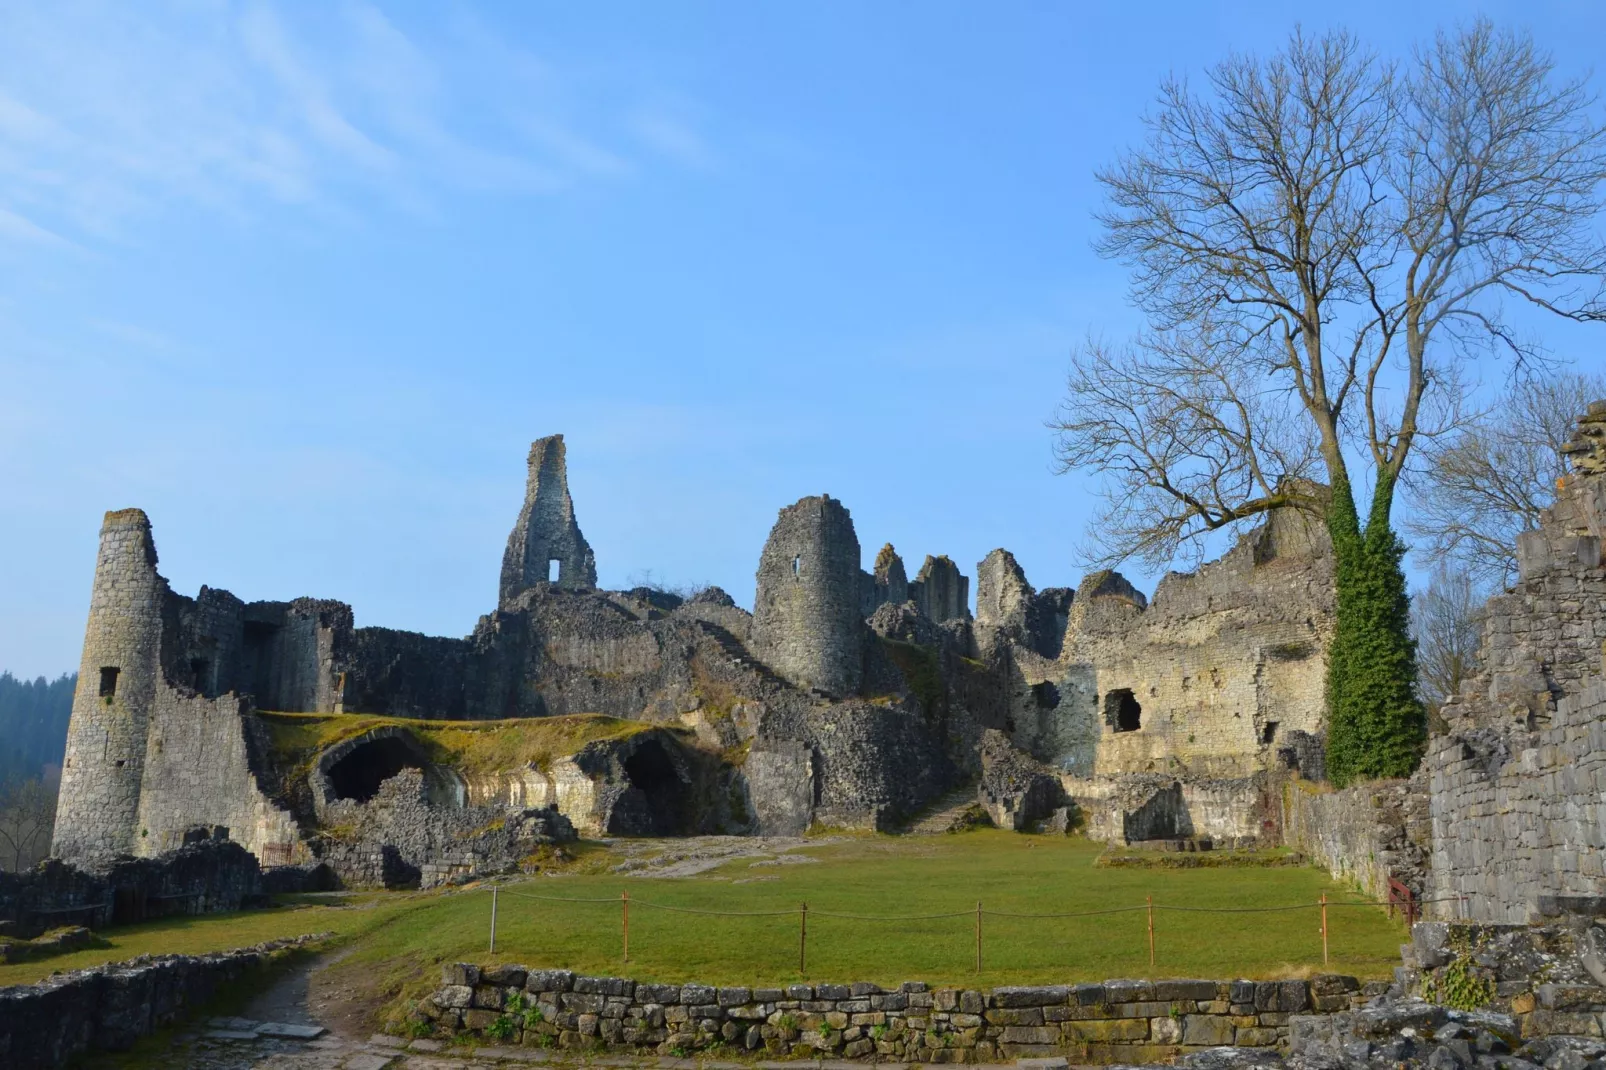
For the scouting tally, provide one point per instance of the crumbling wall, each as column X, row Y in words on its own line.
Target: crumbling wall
column 546, row 531
column 940, row 590
column 1366, row 833
column 1516, row 784
column 807, row 624
column 1207, row 680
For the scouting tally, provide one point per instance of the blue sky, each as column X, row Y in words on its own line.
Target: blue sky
column 304, row 280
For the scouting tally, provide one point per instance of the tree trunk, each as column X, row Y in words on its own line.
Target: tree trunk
column 1376, row 726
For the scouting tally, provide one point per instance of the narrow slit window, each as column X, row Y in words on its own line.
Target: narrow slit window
column 1268, row 732
column 554, row 568
column 108, row 681
column 797, row 566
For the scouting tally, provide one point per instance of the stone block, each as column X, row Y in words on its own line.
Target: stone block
column 1034, row 1034
column 1107, row 1030
column 460, row 973
column 1015, row 1016
column 1206, row 1030
column 1089, row 995
column 833, row 992
column 508, row 976
column 1128, row 991
column 605, row 986
column 1194, row 990
column 696, row 995
column 734, row 997
column 455, row 996
column 549, row 981
column 1033, row 996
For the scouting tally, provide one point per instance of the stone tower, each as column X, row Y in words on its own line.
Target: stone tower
column 806, row 620
column 546, row 538
column 97, row 813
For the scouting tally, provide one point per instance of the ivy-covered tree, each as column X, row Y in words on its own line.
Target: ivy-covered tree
column 1322, row 243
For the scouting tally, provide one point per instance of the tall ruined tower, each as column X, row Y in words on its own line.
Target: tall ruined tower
column 807, row 624
column 97, row 813
column 546, row 545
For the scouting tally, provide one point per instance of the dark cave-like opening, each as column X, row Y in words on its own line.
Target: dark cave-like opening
column 358, row 775
column 656, row 804
column 1122, row 711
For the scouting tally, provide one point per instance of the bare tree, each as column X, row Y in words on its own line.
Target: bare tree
column 1447, row 622
column 1317, row 242
column 1322, row 243
column 27, row 820
column 1480, row 487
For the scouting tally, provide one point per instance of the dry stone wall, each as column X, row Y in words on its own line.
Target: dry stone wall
column 1117, row 1021
column 108, row 1008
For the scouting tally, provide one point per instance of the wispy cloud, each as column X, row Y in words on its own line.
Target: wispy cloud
column 113, row 113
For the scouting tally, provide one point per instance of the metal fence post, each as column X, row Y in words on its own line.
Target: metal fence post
column 493, row 919
column 978, row 936
column 1150, row 901
column 624, row 903
column 803, row 941
column 1324, row 928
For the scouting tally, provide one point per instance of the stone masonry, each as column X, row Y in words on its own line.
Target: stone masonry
column 807, row 623
column 1117, row 1021
column 1518, row 785
column 546, row 532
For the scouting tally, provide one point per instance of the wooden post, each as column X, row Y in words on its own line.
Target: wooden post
column 1150, row 900
column 978, row 936
column 1324, row 928
column 624, row 903
column 493, row 919
column 803, row 941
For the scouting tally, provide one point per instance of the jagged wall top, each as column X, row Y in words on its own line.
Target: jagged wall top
column 807, row 619
column 546, row 530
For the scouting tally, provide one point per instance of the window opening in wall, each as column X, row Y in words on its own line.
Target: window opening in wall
column 797, row 566
column 1122, row 711
column 108, row 681
column 554, row 568
column 1046, row 695
column 1268, row 732
column 202, row 671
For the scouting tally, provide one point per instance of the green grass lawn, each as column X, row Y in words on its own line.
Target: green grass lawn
column 398, row 940
column 903, row 876
column 346, row 916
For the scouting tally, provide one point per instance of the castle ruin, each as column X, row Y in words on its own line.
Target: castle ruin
column 847, row 696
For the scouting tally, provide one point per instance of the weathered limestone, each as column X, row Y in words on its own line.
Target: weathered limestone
column 1207, row 680
column 546, row 535
column 1367, row 833
column 1518, row 786
column 807, row 623
column 940, row 591
column 1112, row 1022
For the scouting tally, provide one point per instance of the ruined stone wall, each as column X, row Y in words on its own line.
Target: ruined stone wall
column 807, row 624
column 108, row 1008
column 940, row 590
column 1365, row 833
column 1517, row 783
column 546, row 530
column 1205, row 681
column 1123, row 1022
column 1134, row 807
column 102, row 773
column 201, row 768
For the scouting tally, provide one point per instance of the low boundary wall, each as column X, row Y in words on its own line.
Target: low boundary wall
column 109, row 1007
column 1116, row 1021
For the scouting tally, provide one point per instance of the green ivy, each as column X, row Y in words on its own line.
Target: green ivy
column 501, row 1029
column 1376, row 727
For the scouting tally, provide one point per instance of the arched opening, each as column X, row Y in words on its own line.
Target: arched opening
column 1122, row 711
column 357, row 776
column 655, row 802
column 1046, row 695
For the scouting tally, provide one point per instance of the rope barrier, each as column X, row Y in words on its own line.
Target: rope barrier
column 802, row 911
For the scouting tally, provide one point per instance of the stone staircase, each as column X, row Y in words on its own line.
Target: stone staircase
column 942, row 814
column 740, row 657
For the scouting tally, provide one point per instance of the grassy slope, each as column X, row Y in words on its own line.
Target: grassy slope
column 879, row 875
column 346, row 916
column 472, row 747
column 397, row 941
